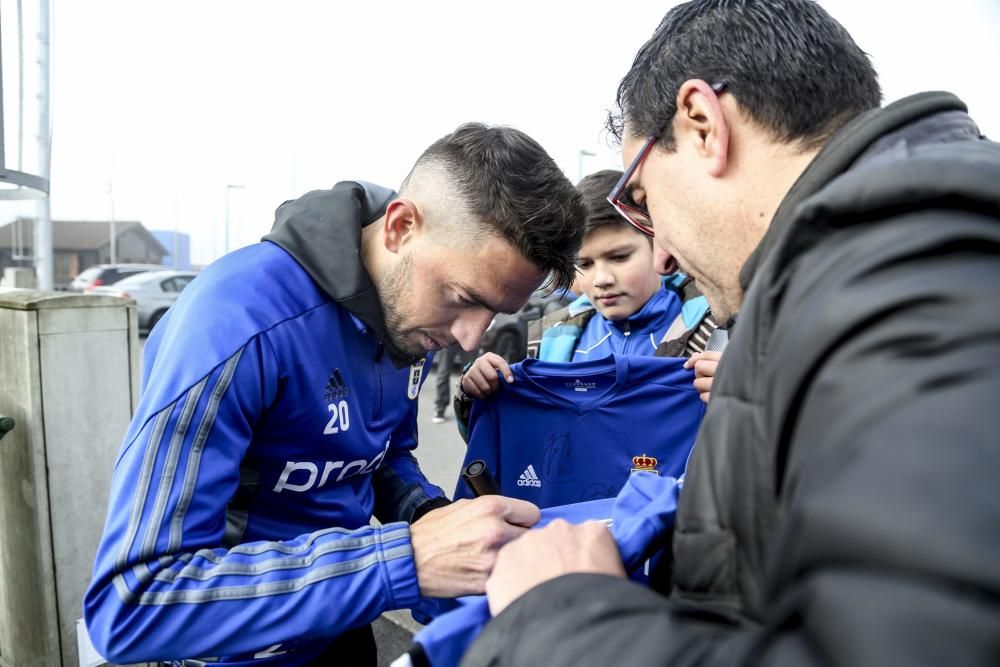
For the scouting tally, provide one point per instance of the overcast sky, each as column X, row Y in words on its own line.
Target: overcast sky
column 173, row 101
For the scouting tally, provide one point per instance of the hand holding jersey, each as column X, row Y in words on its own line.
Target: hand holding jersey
column 455, row 547
column 704, row 365
column 483, row 377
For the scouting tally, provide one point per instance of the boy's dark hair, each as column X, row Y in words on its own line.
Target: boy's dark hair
column 510, row 182
column 595, row 189
column 793, row 69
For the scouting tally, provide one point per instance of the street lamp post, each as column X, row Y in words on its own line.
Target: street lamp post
column 229, row 188
column 582, row 154
column 113, row 250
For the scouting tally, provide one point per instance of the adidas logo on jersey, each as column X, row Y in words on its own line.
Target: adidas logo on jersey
column 336, row 388
column 529, row 478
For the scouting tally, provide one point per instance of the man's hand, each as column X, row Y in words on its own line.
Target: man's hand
column 559, row 548
column 455, row 547
column 481, row 379
column 704, row 365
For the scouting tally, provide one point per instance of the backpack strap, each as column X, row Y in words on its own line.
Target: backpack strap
column 689, row 332
column 554, row 337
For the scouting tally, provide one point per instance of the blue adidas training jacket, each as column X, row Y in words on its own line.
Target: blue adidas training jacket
column 271, row 427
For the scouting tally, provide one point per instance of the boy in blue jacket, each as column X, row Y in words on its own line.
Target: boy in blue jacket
column 626, row 307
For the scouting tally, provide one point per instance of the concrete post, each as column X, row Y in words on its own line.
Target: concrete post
column 69, row 380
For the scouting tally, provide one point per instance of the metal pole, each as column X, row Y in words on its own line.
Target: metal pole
column 113, row 259
column 579, row 163
column 173, row 251
column 44, row 255
column 44, row 270
column 229, row 188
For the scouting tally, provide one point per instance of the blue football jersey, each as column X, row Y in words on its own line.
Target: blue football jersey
column 565, row 433
column 638, row 518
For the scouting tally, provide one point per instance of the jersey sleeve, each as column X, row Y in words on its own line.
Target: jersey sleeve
column 164, row 588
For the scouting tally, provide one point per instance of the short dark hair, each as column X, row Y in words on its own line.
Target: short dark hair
column 793, row 69
column 595, row 189
column 511, row 183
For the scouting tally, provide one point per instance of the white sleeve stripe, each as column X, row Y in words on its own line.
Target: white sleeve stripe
column 170, row 469
column 197, row 448
column 260, row 590
column 347, row 542
column 142, row 488
column 275, row 564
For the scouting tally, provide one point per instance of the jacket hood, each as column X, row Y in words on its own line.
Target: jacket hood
column 860, row 150
column 322, row 231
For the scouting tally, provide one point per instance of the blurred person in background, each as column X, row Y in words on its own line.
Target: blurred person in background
column 442, row 381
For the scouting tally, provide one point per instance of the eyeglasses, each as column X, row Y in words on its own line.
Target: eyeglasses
column 621, row 198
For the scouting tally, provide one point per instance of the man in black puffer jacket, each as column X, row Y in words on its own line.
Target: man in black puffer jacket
column 841, row 505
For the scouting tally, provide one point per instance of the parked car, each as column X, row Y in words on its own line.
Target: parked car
column 108, row 274
column 508, row 335
column 153, row 291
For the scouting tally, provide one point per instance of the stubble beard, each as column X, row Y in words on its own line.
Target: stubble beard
column 392, row 288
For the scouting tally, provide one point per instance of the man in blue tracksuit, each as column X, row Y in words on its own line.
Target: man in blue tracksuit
column 278, row 416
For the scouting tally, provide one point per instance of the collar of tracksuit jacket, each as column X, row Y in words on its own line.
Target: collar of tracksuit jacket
column 909, row 121
column 653, row 314
column 322, row 231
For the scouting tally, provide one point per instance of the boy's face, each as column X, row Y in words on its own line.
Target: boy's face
column 616, row 263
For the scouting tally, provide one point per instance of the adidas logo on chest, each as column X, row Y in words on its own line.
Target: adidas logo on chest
column 529, row 478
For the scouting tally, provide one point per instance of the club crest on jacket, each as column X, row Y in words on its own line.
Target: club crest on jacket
column 413, row 388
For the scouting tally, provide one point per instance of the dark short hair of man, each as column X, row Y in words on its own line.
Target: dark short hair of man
column 519, row 193
column 600, row 213
column 791, row 66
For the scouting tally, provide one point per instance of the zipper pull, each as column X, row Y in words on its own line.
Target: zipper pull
column 628, row 328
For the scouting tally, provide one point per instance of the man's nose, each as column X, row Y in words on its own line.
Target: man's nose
column 661, row 258
column 469, row 328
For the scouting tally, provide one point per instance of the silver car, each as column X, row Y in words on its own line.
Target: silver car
column 153, row 292
column 102, row 275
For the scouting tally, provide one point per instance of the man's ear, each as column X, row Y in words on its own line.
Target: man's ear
column 403, row 224
column 701, row 121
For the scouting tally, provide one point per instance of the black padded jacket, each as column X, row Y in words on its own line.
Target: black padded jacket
column 842, row 504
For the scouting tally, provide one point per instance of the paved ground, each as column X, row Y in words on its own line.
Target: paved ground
column 393, row 636
column 441, row 448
